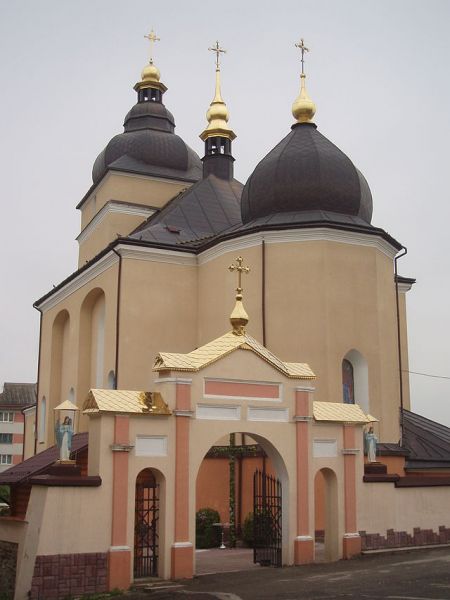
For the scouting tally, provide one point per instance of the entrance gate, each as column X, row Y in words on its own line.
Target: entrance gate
column 267, row 515
column 146, row 537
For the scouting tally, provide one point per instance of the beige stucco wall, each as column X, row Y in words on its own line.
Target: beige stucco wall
column 73, row 376
column 127, row 187
column 29, row 436
column 323, row 299
column 114, row 225
column 382, row 506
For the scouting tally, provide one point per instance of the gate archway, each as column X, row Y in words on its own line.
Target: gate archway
column 146, row 525
column 326, row 512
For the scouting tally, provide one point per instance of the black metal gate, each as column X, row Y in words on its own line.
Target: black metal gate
column 146, row 539
column 267, row 515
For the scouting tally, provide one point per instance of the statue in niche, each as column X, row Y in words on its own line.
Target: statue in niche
column 63, row 434
column 370, row 445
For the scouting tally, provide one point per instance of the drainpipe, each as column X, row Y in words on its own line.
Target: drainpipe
column 400, row 366
column 119, row 285
column 263, row 290
column 36, row 428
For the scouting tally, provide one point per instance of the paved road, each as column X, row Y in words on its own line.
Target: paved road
column 413, row 575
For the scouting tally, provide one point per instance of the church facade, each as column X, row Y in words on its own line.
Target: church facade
column 138, row 342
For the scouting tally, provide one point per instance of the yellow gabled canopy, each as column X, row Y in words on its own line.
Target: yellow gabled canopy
column 125, row 401
column 209, row 353
column 339, row 413
column 66, row 405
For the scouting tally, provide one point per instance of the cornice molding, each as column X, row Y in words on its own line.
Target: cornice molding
column 157, row 255
column 82, row 279
column 299, row 235
column 113, row 206
column 404, row 287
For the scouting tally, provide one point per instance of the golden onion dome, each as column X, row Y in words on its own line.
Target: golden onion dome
column 217, row 116
column 150, row 73
column 303, row 108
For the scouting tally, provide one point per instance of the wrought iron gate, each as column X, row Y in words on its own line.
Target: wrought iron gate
column 146, row 540
column 266, row 520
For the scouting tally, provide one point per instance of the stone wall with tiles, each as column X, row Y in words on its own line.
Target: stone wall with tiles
column 8, row 560
column 66, row 575
column 402, row 539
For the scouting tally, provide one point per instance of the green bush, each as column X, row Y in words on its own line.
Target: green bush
column 247, row 530
column 207, row 536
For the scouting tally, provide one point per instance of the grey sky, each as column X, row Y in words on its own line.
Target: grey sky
column 378, row 72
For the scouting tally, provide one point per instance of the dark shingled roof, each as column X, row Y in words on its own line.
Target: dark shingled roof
column 306, row 172
column 39, row 463
column 18, row 394
column 149, row 146
column 427, row 442
column 203, row 211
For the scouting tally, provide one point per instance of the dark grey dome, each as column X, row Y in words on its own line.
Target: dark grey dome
column 149, row 146
column 306, row 172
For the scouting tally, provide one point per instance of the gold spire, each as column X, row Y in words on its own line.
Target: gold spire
column 239, row 317
column 150, row 75
column 303, row 108
column 217, row 114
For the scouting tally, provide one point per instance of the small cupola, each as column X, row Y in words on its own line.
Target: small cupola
column 218, row 135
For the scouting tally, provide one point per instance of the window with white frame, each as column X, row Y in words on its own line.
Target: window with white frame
column 6, row 417
column 6, row 438
column 5, row 459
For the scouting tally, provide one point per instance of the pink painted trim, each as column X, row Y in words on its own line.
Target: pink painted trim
column 183, row 397
column 238, row 389
column 182, row 480
column 302, row 404
column 121, row 429
column 350, row 480
column 302, row 478
column 120, row 483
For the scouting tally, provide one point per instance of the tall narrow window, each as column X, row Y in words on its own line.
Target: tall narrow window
column 42, row 419
column 348, row 383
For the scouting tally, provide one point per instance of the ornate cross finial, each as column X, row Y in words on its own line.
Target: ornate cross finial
column 152, row 38
column 240, row 269
column 217, row 49
column 301, row 46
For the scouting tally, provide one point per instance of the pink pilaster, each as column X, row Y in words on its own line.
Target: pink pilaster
column 182, row 548
column 352, row 540
column 304, row 542
column 119, row 564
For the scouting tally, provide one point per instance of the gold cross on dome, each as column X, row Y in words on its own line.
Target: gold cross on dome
column 152, row 38
column 240, row 269
column 217, row 49
column 301, row 46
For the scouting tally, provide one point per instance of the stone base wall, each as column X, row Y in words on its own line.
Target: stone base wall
column 8, row 561
column 402, row 539
column 66, row 575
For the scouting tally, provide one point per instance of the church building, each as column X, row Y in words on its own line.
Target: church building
column 146, row 383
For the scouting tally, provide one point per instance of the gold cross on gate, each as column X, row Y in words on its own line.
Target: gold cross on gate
column 152, row 38
column 217, row 49
column 301, row 46
column 240, row 269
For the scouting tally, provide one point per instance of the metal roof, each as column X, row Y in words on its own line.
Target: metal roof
column 39, row 463
column 427, row 442
column 18, row 394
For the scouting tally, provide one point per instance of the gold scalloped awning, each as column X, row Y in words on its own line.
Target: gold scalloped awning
column 220, row 347
column 125, row 401
column 337, row 412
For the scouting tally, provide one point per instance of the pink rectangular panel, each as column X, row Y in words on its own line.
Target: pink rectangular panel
column 242, row 390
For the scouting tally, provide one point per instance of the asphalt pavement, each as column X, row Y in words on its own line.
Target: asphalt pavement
column 408, row 575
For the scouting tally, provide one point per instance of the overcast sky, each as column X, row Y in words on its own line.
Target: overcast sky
column 378, row 72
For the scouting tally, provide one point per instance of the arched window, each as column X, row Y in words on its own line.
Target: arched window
column 355, row 380
column 111, row 381
column 348, row 382
column 42, row 419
